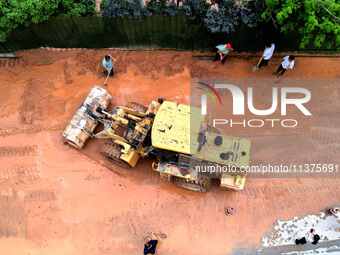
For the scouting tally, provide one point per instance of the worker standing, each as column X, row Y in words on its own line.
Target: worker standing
column 288, row 62
column 266, row 56
column 313, row 237
column 107, row 64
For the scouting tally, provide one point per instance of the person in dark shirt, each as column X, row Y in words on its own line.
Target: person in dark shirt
column 316, row 239
column 150, row 247
column 300, row 241
column 311, row 236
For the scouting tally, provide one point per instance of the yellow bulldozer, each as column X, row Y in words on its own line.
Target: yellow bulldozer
column 184, row 149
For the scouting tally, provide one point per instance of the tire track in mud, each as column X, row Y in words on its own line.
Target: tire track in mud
column 13, row 221
column 13, row 62
column 322, row 144
column 38, row 103
column 327, row 140
column 18, row 151
column 325, row 136
column 22, row 164
column 262, row 191
column 30, row 130
column 102, row 162
column 24, row 173
column 40, row 196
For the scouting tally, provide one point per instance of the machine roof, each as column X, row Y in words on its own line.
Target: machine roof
column 174, row 125
column 176, row 128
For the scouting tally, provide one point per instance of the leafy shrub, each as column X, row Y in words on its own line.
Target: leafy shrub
column 15, row 13
column 77, row 7
column 317, row 22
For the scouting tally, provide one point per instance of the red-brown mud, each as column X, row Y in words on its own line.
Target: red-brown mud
column 59, row 201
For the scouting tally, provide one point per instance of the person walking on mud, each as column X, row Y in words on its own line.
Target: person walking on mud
column 222, row 52
column 288, row 62
column 266, row 56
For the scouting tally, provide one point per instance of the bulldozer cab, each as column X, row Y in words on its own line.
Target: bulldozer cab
column 178, row 128
column 172, row 127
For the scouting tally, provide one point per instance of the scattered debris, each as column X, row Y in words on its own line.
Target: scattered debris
column 285, row 232
column 335, row 211
column 229, row 211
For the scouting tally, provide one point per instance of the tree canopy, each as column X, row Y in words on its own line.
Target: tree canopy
column 313, row 23
column 317, row 22
column 15, row 13
column 228, row 14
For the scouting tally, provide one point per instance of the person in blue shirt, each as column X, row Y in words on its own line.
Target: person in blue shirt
column 107, row 64
column 222, row 52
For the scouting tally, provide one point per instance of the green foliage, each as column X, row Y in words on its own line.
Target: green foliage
column 15, row 13
column 317, row 22
column 76, row 7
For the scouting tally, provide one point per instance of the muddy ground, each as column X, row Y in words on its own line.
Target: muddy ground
column 57, row 200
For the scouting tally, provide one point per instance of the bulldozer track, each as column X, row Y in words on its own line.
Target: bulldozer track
column 15, row 151
column 193, row 185
column 111, row 151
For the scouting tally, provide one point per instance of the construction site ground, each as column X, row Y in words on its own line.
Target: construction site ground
column 56, row 200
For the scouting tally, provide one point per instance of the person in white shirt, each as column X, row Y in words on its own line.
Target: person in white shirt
column 266, row 56
column 287, row 63
column 310, row 237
